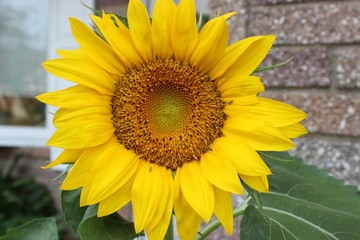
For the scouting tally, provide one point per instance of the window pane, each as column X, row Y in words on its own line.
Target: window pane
column 23, row 47
column 113, row 6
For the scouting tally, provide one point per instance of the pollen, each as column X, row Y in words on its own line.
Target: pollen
column 167, row 112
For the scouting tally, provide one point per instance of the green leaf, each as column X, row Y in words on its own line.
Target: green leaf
column 70, row 202
column 256, row 226
column 124, row 20
column 303, row 203
column 44, row 228
column 265, row 68
column 88, row 226
column 15, row 209
column 105, row 228
column 98, row 12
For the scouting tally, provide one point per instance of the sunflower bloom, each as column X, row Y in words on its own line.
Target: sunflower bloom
column 165, row 117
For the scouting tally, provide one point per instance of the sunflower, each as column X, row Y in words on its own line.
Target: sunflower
column 165, row 116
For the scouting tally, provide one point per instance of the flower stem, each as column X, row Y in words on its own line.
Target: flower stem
column 216, row 223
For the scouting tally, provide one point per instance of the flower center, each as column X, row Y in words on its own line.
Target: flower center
column 167, row 112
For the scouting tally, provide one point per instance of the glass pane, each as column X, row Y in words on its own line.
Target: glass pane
column 113, row 6
column 23, row 47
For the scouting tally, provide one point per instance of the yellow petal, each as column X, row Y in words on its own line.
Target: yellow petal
column 162, row 19
column 83, row 133
column 140, row 29
column 220, row 172
column 246, row 160
column 147, row 192
column 102, row 54
column 110, row 174
column 117, row 200
column 95, row 157
column 104, row 29
column 184, row 35
column 73, row 53
column 223, row 209
column 293, row 131
column 82, row 72
column 159, row 224
column 259, row 183
column 65, row 115
column 213, row 40
column 99, row 24
column 250, row 59
column 159, row 231
column 257, row 134
column 232, row 55
column 74, row 97
column 197, row 190
column 78, row 172
column 75, row 178
column 67, row 156
column 277, row 114
column 187, row 220
column 121, row 41
column 231, row 108
column 240, row 86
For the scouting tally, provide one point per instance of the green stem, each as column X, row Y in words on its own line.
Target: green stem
column 216, row 223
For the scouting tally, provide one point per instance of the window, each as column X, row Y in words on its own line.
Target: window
column 23, row 46
column 113, row 6
column 120, row 6
column 30, row 32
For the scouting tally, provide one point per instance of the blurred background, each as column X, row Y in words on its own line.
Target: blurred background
column 323, row 79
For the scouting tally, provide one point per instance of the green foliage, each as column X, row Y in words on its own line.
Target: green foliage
column 37, row 229
column 70, row 201
column 88, row 226
column 303, row 203
column 22, row 199
column 105, row 228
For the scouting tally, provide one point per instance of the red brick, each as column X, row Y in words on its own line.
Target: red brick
column 237, row 23
column 340, row 157
column 336, row 22
column 310, row 67
column 328, row 113
column 347, row 67
column 271, row 2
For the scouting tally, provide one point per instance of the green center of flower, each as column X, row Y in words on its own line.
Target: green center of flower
column 168, row 108
column 167, row 112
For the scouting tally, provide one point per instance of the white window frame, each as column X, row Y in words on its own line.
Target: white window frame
column 59, row 38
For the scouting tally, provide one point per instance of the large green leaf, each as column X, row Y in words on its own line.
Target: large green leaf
column 70, row 202
column 44, row 228
column 88, row 226
column 105, row 228
column 303, row 203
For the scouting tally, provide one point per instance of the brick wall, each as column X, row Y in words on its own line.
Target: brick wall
column 323, row 79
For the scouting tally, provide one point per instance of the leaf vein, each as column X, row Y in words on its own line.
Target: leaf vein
column 315, row 204
column 282, row 227
column 302, row 220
